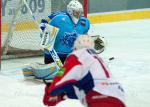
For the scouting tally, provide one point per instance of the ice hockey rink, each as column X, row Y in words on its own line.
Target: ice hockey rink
column 127, row 41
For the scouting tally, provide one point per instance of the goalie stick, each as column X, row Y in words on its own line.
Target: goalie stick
column 50, row 48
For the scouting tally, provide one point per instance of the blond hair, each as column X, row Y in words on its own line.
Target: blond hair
column 84, row 41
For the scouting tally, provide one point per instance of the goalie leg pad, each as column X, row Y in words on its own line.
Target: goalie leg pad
column 44, row 71
column 28, row 72
column 40, row 72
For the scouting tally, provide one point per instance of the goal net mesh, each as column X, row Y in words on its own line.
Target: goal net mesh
column 20, row 34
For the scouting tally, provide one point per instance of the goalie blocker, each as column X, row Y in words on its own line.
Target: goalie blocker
column 48, row 37
column 48, row 40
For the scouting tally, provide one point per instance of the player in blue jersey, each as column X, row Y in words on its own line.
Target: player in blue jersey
column 71, row 24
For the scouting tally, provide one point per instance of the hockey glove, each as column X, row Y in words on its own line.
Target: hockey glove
column 99, row 43
column 51, row 100
column 48, row 36
column 43, row 24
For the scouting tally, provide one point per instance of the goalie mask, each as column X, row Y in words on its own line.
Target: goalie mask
column 86, row 41
column 75, row 9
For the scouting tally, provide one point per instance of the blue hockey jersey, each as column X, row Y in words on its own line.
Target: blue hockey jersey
column 68, row 31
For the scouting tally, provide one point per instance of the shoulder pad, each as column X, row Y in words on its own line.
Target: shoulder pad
column 84, row 21
column 52, row 15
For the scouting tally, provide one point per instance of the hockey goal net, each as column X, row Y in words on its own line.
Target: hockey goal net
column 20, row 34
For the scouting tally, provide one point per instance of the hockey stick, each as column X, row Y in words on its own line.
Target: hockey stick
column 50, row 48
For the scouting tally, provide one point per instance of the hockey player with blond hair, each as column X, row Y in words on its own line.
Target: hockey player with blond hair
column 86, row 77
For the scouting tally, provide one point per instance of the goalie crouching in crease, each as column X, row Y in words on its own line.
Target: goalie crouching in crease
column 69, row 25
column 86, row 78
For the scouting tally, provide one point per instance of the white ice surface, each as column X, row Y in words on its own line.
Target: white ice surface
column 128, row 42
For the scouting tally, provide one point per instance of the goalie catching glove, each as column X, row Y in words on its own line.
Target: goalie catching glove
column 99, row 43
column 85, row 41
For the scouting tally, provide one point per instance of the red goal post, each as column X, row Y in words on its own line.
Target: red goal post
column 85, row 5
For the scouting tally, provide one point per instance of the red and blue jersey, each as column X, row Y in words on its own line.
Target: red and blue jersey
column 85, row 71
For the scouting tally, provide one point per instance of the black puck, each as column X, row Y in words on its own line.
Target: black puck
column 111, row 58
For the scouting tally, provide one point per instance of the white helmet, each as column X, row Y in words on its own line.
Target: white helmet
column 74, row 6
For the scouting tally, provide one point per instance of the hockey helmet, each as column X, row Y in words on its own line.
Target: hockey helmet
column 75, row 9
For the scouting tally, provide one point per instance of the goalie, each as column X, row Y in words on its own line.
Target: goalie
column 85, row 77
column 71, row 24
column 61, row 30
